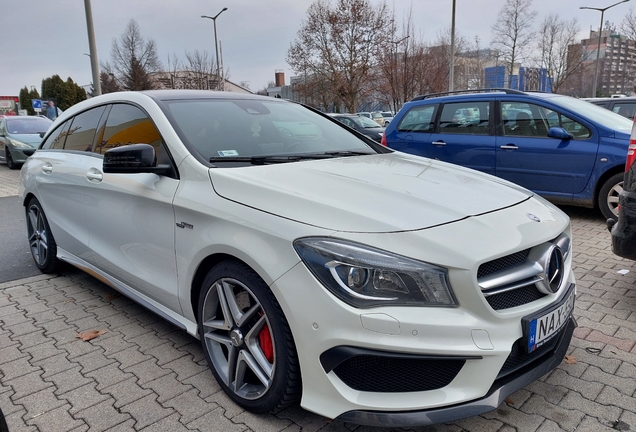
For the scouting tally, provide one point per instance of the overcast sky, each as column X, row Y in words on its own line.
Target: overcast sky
column 46, row 37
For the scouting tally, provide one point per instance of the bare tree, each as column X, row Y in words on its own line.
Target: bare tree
column 512, row 33
column 557, row 49
column 401, row 65
column 339, row 45
column 134, row 59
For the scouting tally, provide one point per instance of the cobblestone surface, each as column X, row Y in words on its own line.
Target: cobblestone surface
column 144, row 374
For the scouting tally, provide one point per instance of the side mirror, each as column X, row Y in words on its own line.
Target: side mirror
column 559, row 133
column 132, row 159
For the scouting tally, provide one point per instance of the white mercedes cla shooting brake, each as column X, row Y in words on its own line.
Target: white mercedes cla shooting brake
column 315, row 266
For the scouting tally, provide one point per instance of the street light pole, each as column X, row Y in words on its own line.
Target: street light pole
column 92, row 49
column 216, row 47
column 600, row 32
column 394, row 67
column 451, row 78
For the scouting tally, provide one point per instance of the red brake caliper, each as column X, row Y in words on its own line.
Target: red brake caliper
column 265, row 342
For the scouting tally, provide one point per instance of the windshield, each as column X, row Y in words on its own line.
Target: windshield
column 27, row 125
column 222, row 128
column 594, row 113
column 365, row 122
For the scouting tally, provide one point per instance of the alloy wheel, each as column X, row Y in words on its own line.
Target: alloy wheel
column 38, row 235
column 238, row 338
column 612, row 198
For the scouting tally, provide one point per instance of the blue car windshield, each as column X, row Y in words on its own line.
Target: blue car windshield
column 594, row 113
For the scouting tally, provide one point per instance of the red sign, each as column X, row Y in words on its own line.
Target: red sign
column 8, row 105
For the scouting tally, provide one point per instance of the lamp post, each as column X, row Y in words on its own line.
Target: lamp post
column 91, row 46
column 600, row 32
column 451, row 78
column 394, row 68
column 216, row 47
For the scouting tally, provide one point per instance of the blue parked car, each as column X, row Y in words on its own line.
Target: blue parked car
column 565, row 149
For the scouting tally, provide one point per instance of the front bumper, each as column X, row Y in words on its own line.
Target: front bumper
column 499, row 391
column 20, row 155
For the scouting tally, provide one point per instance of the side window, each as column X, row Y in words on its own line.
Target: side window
column 82, row 131
column 465, row 118
column 418, row 119
column 57, row 138
column 127, row 125
column 626, row 109
column 575, row 128
column 527, row 120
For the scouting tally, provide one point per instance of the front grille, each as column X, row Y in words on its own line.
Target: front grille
column 502, row 263
column 28, row 152
column 395, row 375
column 514, row 298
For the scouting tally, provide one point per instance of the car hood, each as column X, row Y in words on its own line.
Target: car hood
column 376, row 193
column 31, row 139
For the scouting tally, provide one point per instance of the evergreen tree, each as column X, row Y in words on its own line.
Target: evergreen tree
column 65, row 94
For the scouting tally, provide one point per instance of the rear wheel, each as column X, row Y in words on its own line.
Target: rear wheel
column 7, row 154
column 41, row 241
column 608, row 196
column 246, row 339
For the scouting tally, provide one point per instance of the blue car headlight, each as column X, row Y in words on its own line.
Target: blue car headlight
column 364, row 277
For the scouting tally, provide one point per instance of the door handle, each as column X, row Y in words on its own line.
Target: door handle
column 47, row 168
column 509, row 147
column 439, row 143
column 95, row 176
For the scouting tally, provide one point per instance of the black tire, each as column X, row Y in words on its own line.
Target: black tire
column 608, row 196
column 3, row 423
column 41, row 241
column 246, row 339
column 7, row 154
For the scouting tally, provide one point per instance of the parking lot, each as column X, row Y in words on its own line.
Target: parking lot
column 145, row 374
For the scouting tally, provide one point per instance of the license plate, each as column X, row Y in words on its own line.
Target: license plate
column 542, row 328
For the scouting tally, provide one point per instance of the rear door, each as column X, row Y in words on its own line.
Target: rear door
column 528, row 157
column 413, row 132
column 464, row 137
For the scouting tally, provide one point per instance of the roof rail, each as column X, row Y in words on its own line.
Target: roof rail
column 484, row 90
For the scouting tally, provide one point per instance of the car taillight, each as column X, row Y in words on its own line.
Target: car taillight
column 383, row 142
column 631, row 154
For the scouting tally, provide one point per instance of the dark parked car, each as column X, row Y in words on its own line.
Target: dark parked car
column 565, row 149
column 364, row 125
column 624, row 230
column 625, row 106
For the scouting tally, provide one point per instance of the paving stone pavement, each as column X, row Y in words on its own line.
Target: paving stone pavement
column 145, row 374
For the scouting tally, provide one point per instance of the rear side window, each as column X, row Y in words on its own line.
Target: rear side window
column 626, row 109
column 465, row 118
column 418, row 119
column 82, row 132
column 127, row 125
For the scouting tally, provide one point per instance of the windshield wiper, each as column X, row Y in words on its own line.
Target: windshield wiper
column 263, row 160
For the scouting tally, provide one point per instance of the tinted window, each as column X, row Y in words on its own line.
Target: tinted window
column 127, row 125
column 418, row 119
column 626, row 109
column 524, row 119
column 465, row 118
column 58, row 137
column 82, row 132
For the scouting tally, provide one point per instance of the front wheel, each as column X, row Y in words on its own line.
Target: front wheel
column 7, row 155
column 246, row 339
column 608, row 196
column 41, row 241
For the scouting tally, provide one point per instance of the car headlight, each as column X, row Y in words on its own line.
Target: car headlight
column 19, row 144
column 364, row 277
